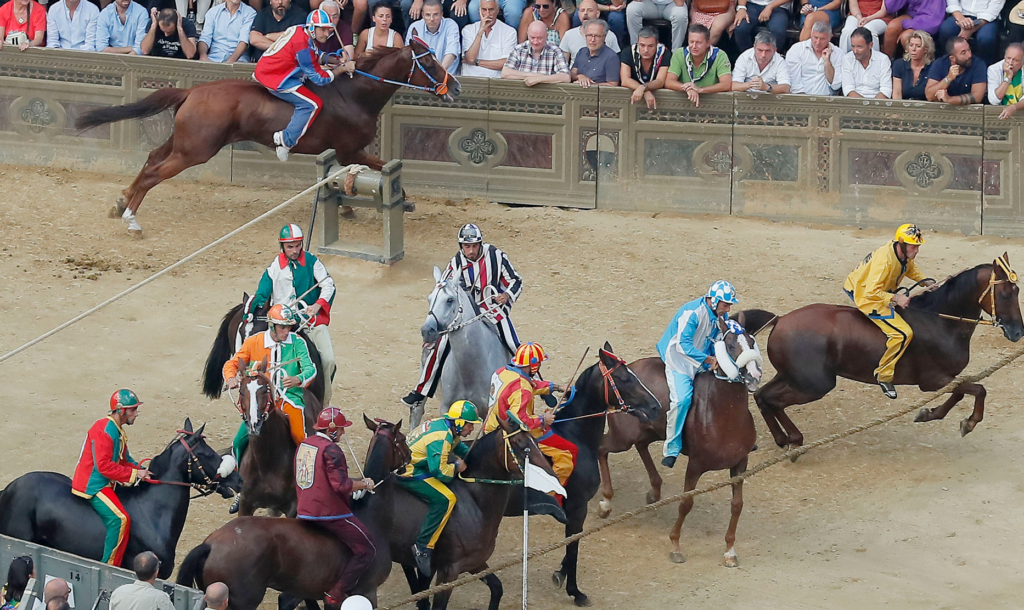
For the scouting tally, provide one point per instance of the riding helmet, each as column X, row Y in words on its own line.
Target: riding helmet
column 462, row 412
column 292, row 232
column 470, row 234
column 529, row 355
column 909, row 234
column 281, row 315
column 318, row 19
column 124, row 399
column 331, row 419
column 722, row 291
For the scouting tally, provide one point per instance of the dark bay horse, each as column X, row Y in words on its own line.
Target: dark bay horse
column 212, row 115
column 625, row 432
column 297, row 558
column 268, row 466
column 39, row 506
column 812, row 346
column 609, row 386
column 493, row 467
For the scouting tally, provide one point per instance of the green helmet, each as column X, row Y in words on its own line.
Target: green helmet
column 462, row 412
column 124, row 399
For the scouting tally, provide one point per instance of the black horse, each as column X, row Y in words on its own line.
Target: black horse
column 224, row 348
column 40, row 508
column 608, row 386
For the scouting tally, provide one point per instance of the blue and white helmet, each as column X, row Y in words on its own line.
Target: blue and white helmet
column 470, row 234
column 722, row 291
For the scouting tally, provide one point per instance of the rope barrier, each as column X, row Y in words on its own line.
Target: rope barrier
column 760, row 467
column 347, row 169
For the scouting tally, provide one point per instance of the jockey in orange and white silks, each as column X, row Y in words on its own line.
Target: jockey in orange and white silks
column 484, row 270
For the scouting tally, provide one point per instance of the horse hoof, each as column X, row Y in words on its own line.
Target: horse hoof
column 119, row 207
column 923, row 415
column 559, row 579
column 408, row 206
column 653, row 496
column 796, row 456
column 677, row 557
column 135, row 233
column 966, row 426
column 730, row 560
column 581, row 600
column 605, row 509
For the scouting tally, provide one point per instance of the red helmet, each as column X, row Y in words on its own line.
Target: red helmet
column 331, row 419
column 124, row 399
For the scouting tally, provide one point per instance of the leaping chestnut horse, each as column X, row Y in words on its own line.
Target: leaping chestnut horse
column 812, row 346
column 213, row 115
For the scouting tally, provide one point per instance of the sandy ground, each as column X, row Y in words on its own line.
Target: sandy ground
column 906, row 515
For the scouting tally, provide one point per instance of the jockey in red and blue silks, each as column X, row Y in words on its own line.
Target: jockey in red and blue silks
column 283, row 67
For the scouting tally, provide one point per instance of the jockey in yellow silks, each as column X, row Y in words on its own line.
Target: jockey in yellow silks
column 872, row 286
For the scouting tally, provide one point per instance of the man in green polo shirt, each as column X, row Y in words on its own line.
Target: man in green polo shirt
column 699, row 68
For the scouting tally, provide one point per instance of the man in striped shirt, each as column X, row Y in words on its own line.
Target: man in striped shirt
column 481, row 266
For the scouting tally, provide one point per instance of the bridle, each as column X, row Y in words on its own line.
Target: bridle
column 505, row 436
column 990, row 292
column 608, row 382
column 457, row 323
column 276, row 398
column 438, row 88
column 386, row 429
column 207, row 486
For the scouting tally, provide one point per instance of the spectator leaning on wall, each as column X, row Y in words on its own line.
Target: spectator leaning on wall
column 910, row 72
column 761, row 68
column 170, row 35
column 71, row 24
column 816, row 65
column 440, row 33
column 598, row 64
column 867, row 73
column 23, row 24
column 644, row 67
column 536, row 60
column 121, row 28
column 270, row 22
column 957, row 78
column 699, row 68
column 1004, row 80
column 225, row 36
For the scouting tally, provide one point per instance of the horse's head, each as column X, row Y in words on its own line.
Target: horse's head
column 517, row 440
column 203, row 467
column 256, row 396
column 387, row 451
column 427, row 72
column 623, row 390
column 1001, row 302
column 445, row 307
column 739, row 357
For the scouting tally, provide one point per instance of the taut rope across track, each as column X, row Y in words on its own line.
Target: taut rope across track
column 348, row 169
column 761, row 467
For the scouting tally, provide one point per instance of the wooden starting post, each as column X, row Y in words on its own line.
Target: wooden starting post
column 381, row 191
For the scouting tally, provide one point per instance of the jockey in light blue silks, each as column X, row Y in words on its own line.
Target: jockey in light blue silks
column 687, row 348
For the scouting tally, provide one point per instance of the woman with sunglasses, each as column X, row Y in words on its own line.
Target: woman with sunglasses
column 550, row 13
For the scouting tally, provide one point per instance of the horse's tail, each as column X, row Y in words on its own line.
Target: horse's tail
column 756, row 320
column 152, row 104
column 190, row 574
column 213, row 380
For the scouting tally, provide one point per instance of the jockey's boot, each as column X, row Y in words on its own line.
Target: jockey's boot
column 331, row 602
column 234, row 505
column 888, row 389
column 414, row 398
column 422, row 556
column 282, row 150
column 669, row 461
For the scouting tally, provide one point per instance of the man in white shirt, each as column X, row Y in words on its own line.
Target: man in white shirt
column 71, row 24
column 866, row 73
column 440, row 33
column 760, row 68
column 1005, row 80
column 487, row 43
column 673, row 10
column 141, row 594
column 975, row 20
column 574, row 41
column 815, row 65
column 226, row 32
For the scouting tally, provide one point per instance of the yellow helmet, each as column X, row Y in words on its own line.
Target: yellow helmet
column 462, row 412
column 909, row 234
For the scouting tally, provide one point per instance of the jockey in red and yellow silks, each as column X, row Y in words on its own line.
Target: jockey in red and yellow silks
column 105, row 462
column 513, row 390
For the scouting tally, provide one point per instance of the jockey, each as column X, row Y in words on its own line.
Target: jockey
column 872, row 287
column 687, row 348
column 431, row 468
column 483, row 270
column 282, row 68
column 288, row 358
column 105, row 462
column 512, row 390
column 296, row 273
column 324, row 490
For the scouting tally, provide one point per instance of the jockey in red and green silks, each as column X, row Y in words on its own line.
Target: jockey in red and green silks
column 104, row 463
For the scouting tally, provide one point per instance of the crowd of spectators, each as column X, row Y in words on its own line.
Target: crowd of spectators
column 929, row 50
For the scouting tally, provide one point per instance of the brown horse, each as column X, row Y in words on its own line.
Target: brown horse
column 625, row 432
column 268, row 466
column 213, row 115
column 300, row 559
column 812, row 346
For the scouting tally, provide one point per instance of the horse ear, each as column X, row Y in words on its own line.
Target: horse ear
column 1006, row 256
column 608, row 348
column 398, row 426
column 437, row 275
column 199, row 433
column 263, row 365
column 740, row 318
column 188, row 425
column 245, row 297
column 370, row 424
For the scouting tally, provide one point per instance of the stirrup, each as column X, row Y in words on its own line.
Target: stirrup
column 234, row 505
column 888, row 389
column 422, row 558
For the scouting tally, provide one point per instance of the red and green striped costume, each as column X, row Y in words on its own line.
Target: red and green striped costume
column 104, row 462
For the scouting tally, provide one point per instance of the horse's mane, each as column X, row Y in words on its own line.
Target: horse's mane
column 952, row 291
column 371, row 58
column 575, row 407
column 375, row 460
column 485, row 445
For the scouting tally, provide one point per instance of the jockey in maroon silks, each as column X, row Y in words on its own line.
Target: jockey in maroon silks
column 282, row 69
column 324, row 490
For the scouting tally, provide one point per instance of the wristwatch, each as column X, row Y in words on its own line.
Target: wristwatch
column 769, row 87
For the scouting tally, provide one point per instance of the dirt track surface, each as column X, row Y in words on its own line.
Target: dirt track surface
column 908, row 515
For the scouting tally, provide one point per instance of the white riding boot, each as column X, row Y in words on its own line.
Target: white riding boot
column 282, row 150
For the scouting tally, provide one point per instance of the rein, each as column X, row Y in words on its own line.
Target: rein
column 439, row 88
column 207, row 487
column 1011, row 278
column 508, row 451
column 608, row 381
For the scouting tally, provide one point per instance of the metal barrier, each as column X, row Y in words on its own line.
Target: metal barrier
column 381, row 191
column 91, row 581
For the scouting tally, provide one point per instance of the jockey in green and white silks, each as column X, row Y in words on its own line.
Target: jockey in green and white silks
column 296, row 273
column 687, row 348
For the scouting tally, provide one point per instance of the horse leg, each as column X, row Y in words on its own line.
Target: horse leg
column 779, row 393
column 737, row 507
column 415, row 586
column 156, row 156
column 652, row 473
column 444, row 574
column 768, row 411
column 979, row 392
column 575, row 514
column 606, row 483
column 494, row 584
column 693, row 473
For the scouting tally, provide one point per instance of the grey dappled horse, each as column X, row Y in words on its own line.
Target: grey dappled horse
column 476, row 351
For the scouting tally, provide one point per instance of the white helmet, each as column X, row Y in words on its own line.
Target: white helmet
column 470, row 234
